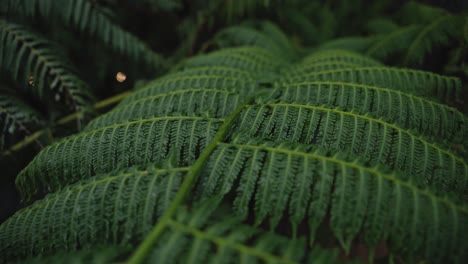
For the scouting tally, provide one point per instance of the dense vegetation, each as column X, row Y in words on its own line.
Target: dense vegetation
column 273, row 132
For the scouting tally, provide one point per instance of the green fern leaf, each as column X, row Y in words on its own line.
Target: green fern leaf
column 337, row 55
column 438, row 121
column 278, row 179
column 227, row 71
column 445, row 89
column 258, row 61
column 439, row 32
column 35, row 63
column 196, row 81
column 330, row 60
column 114, row 208
column 214, row 102
column 269, row 37
column 356, row 44
column 400, row 149
column 393, row 42
column 191, row 237
column 356, row 153
column 89, row 18
column 115, row 146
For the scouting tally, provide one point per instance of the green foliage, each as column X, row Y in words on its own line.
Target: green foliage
column 39, row 67
column 16, row 120
column 420, row 30
column 349, row 146
column 260, row 150
column 89, row 18
column 269, row 37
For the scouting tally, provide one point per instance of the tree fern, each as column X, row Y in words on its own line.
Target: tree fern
column 35, row 63
column 89, row 18
column 361, row 152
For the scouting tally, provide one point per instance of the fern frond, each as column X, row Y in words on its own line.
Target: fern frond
column 441, row 31
column 339, row 55
column 414, row 12
column 393, row 42
column 110, row 209
column 356, row 44
column 279, row 36
column 256, row 60
column 443, row 88
column 426, row 163
column 119, row 145
column 35, row 63
column 351, row 151
column 17, row 120
column 202, row 236
column 269, row 37
column 227, row 71
column 88, row 18
column 245, row 36
column 330, row 60
column 443, row 123
column 187, row 82
column 301, row 181
column 213, row 102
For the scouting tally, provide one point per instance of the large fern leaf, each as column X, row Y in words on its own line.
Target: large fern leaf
column 364, row 135
column 117, row 146
column 352, row 151
column 38, row 65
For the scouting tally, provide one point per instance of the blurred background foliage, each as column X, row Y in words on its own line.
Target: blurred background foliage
column 64, row 62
